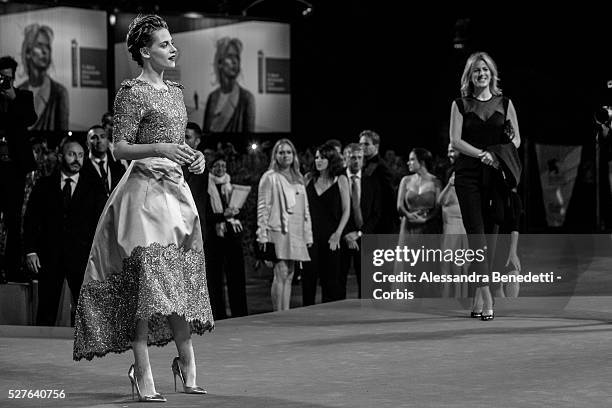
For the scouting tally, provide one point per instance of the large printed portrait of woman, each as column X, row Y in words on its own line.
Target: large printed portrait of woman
column 230, row 108
column 50, row 97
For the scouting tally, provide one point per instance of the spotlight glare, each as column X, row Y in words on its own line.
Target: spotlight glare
column 70, row 133
column 193, row 14
column 253, row 146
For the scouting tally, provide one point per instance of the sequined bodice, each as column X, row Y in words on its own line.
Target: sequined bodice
column 144, row 114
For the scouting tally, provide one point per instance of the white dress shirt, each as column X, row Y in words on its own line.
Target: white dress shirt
column 358, row 184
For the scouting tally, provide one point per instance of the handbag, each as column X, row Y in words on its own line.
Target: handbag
column 508, row 129
column 268, row 255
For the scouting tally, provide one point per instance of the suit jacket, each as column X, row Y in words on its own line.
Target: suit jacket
column 376, row 169
column 14, row 122
column 51, row 232
column 116, row 170
column 198, row 184
column 371, row 207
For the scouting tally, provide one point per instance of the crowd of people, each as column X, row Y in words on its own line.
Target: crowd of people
column 143, row 223
column 344, row 191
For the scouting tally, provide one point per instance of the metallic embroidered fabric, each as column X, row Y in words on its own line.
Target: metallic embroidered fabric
column 155, row 282
column 144, row 114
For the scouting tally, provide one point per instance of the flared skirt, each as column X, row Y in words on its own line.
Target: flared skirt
column 146, row 262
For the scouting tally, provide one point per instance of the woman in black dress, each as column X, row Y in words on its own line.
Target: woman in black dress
column 479, row 120
column 329, row 200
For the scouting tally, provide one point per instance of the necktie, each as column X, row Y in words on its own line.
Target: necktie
column 67, row 192
column 356, row 202
column 104, row 176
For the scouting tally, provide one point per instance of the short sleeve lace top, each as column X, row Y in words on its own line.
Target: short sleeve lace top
column 144, row 114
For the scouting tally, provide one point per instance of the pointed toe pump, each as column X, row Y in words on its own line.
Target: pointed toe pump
column 178, row 372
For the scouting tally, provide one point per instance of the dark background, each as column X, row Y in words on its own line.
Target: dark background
column 392, row 67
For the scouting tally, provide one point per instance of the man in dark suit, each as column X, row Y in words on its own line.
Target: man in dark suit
column 100, row 165
column 16, row 160
column 60, row 222
column 374, row 167
column 198, row 183
column 366, row 211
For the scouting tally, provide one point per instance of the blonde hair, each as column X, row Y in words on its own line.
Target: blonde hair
column 467, row 87
column 295, row 166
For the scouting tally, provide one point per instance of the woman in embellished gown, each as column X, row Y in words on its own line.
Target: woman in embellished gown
column 145, row 282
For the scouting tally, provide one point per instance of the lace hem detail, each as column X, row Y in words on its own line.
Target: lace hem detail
column 155, row 282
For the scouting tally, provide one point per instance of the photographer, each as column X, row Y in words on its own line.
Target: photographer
column 16, row 114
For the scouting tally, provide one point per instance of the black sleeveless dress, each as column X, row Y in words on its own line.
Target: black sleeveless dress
column 325, row 214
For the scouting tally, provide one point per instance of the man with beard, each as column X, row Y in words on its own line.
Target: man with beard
column 60, row 222
column 50, row 97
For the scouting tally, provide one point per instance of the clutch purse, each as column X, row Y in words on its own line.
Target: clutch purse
column 508, row 129
column 268, row 255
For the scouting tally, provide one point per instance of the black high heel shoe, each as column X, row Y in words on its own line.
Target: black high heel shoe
column 475, row 315
column 177, row 372
column 157, row 397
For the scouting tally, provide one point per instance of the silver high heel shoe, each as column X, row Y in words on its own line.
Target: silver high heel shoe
column 157, row 397
column 177, row 372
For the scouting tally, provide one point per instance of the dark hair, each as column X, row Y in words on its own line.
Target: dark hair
column 372, row 135
column 335, row 166
column 424, row 157
column 335, row 142
column 194, row 126
column 8, row 62
column 104, row 119
column 217, row 157
column 353, row 147
column 140, row 33
column 95, row 127
column 68, row 140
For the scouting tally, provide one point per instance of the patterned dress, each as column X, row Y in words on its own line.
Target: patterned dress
column 147, row 259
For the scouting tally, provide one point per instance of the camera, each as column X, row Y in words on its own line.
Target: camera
column 5, row 82
column 603, row 115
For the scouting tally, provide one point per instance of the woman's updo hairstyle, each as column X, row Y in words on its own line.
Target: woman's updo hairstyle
column 424, row 157
column 140, row 33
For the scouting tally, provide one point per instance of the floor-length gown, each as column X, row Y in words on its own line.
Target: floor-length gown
column 147, row 258
column 453, row 238
column 420, row 197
